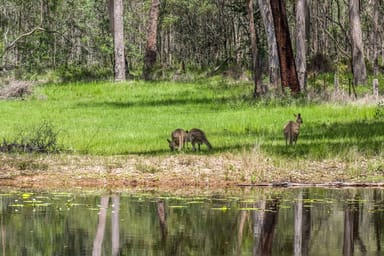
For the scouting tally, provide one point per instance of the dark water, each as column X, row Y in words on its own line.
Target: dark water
column 256, row 222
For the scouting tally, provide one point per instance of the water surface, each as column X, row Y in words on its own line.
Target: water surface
column 310, row 221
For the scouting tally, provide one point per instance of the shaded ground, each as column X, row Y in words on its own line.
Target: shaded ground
column 179, row 171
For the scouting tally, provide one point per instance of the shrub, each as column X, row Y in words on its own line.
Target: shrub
column 379, row 112
column 40, row 139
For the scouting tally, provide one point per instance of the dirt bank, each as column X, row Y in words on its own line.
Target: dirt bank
column 180, row 171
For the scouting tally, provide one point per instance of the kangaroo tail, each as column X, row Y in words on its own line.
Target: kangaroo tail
column 290, row 134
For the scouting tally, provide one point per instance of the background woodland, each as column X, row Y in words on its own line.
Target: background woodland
column 71, row 40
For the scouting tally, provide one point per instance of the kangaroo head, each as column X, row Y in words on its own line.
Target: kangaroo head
column 172, row 145
column 299, row 120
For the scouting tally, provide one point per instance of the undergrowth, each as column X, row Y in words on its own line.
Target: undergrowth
column 41, row 138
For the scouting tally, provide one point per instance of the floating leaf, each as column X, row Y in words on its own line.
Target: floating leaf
column 224, row 208
column 177, row 206
column 26, row 195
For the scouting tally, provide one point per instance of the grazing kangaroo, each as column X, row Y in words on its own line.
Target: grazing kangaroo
column 178, row 139
column 292, row 130
column 197, row 136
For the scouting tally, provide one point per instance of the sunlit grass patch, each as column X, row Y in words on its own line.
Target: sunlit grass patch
column 137, row 117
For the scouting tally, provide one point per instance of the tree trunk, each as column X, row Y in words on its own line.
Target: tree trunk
column 116, row 11
column 273, row 58
column 284, row 47
column 150, row 50
column 375, row 41
column 358, row 64
column 255, row 63
column 301, row 46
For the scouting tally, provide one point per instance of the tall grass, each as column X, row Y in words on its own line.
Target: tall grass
column 137, row 117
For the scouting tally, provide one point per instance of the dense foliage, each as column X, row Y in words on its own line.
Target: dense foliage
column 73, row 38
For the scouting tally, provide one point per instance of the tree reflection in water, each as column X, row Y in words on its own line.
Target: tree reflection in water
column 300, row 222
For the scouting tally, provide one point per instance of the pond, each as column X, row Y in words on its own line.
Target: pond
column 262, row 221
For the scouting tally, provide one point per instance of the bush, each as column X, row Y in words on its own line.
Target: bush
column 84, row 73
column 379, row 111
column 15, row 89
column 40, row 139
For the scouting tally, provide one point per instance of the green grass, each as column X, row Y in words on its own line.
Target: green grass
column 137, row 117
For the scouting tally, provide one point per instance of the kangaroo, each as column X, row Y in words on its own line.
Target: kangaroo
column 197, row 136
column 292, row 130
column 178, row 139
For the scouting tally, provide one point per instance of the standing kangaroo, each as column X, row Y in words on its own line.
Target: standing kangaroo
column 178, row 139
column 292, row 130
column 197, row 136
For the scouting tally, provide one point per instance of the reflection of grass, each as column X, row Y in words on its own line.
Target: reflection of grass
column 137, row 117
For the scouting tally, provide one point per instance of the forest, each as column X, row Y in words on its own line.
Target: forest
column 183, row 40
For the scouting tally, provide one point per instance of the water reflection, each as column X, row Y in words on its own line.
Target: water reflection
column 258, row 222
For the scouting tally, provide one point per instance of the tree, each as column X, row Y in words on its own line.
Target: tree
column 284, row 47
column 358, row 64
column 375, row 38
column 116, row 11
column 301, row 47
column 255, row 63
column 151, row 48
column 273, row 58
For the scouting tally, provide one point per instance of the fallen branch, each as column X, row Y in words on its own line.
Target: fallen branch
column 329, row 184
column 12, row 44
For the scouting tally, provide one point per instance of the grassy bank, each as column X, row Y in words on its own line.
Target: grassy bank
column 137, row 117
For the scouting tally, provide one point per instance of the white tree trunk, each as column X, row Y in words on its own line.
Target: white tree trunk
column 301, row 46
column 118, row 39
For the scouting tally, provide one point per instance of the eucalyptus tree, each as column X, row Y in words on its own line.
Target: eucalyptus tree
column 273, row 58
column 116, row 16
column 301, row 45
column 284, row 46
column 375, row 35
column 255, row 58
column 358, row 64
column 151, row 48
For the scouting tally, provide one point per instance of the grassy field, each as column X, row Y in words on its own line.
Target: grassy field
column 137, row 117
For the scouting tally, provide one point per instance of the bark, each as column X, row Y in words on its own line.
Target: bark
column 255, row 63
column 284, row 47
column 116, row 9
column 301, row 46
column 358, row 64
column 273, row 58
column 151, row 48
column 375, row 40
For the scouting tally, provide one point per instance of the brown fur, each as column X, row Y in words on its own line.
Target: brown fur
column 197, row 136
column 292, row 130
column 178, row 139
